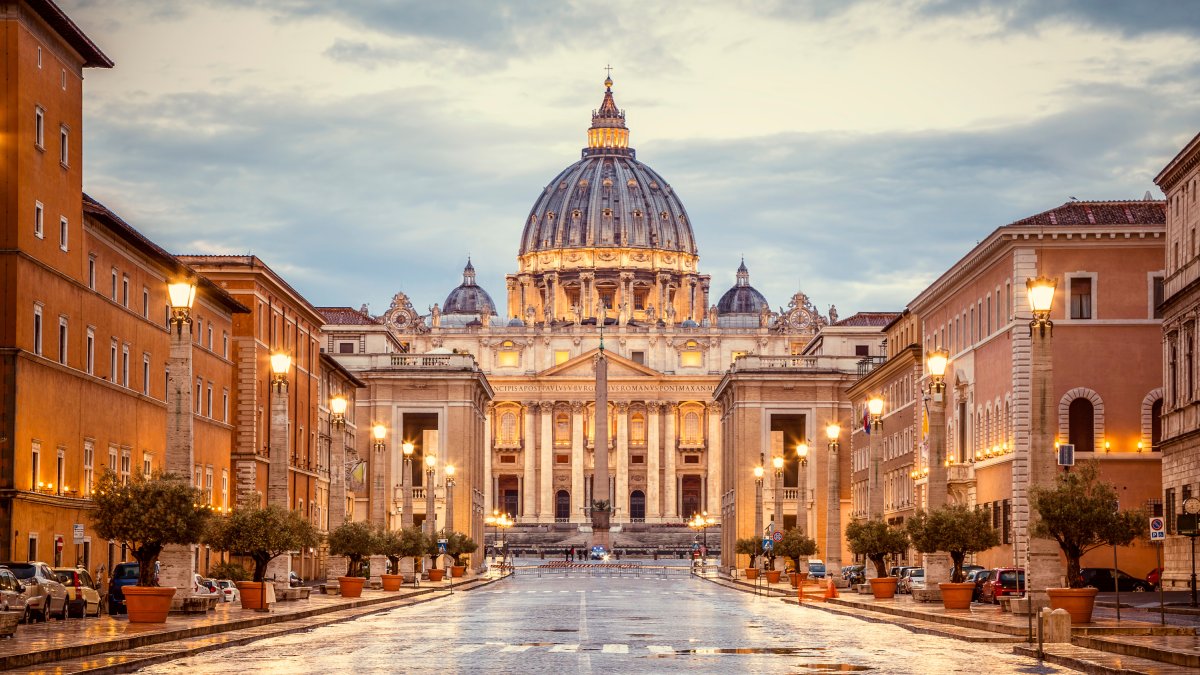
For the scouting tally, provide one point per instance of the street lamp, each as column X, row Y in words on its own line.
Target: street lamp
column 379, row 433
column 802, row 487
column 181, row 295
column 430, row 515
column 777, row 462
column 1042, row 566
column 450, row 497
column 758, row 499
column 833, row 500
column 406, row 516
column 702, row 521
column 498, row 521
column 337, row 410
column 874, row 479
column 281, row 363
column 937, row 564
column 179, row 560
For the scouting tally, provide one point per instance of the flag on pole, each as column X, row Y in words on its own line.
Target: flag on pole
column 866, row 418
column 925, row 419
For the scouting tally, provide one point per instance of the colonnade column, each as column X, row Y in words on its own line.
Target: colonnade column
column 620, row 499
column 578, row 451
column 545, row 508
column 528, row 489
column 653, row 497
column 670, row 509
column 714, row 459
column 489, row 488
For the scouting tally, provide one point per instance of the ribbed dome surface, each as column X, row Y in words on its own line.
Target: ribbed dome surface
column 608, row 199
column 469, row 298
column 742, row 298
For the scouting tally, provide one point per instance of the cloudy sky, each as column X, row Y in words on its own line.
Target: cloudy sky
column 851, row 149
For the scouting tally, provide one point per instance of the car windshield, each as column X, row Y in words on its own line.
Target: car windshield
column 127, row 572
column 1011, row 577
column 65, row 577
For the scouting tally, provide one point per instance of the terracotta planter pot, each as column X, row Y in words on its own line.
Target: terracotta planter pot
column 457, row 571
column 391, row 582
column 773, row 576
column 751, row 573
column 798, row 579
column 1079, row 602
column 252, row 594
column 957, row 596
column 883, row 588
column 148, row 604
column 436, row 574
column 351, row 586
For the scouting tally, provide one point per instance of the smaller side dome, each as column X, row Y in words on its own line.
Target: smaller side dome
column 742, row 298
column 469, row 298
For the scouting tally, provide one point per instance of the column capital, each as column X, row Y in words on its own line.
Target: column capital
column 529, row 405
column 622, row 407
column 546, row 406
column 653, row 406
column 715, row 407
column 577, row 407
column 672, row 407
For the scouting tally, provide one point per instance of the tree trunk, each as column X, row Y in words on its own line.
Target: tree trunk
column 957, row 557
column 880, row 566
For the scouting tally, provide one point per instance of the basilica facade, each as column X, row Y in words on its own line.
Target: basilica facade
column 607, row 258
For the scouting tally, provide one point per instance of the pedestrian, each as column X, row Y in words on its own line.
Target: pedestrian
column 567, row 555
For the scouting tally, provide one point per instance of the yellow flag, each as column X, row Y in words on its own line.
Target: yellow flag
column 925, row 420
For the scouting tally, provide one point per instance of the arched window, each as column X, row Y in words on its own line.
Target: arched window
column 691, row 428
column 637, row 429
column 637, row 506
column 1156, row 425
column 562, row 506
column 562, row 429
column 1082, row 433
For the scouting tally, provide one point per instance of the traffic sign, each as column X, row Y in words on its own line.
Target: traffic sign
column 78, row 533
column 1158, row 529
column 768, row 545
column 441, row 545
column 777, row 536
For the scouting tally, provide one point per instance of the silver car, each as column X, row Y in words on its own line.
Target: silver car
column 13, row 595
column 46, row 596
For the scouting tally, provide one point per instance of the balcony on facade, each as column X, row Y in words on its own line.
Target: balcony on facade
column 408, row 362
column 821, row 363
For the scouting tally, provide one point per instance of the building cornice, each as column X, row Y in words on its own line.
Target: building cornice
column 1179, row 166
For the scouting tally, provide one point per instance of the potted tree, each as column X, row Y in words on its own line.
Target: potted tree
column 397, row 544
column 356, row 541
column 797, row 547
column 431, row 548
column 147, row 514
column 957, row 530
column 260, row 534
column 875, row 539
column 752, row 547
column 1081, row 513
column 460, row 546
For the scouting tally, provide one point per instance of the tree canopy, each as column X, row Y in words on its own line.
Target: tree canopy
column 261, row 534
column 147, row 514
column 356, row 541
column 875, row 539
column 795, row 545
column 955, row 529
column 1082, row 513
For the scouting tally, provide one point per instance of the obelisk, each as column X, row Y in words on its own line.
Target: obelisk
column 601, row 506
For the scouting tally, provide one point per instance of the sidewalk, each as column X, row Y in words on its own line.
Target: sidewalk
column 113, row 645
column 1103, row 646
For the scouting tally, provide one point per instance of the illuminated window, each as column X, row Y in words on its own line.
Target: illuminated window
column 508, row 428
column 562, row 429
column 691, row 428
column 508, row 358
column 561, row 356
column 690, row 359
column 637, row 429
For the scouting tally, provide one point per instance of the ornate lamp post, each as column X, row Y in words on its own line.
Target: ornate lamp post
column 802, row 487
column 430, row 514
column 337, row 463
column 833, row 519
column 450, row 497
column 378, row 499
column 874, row 479
column 758, row 499
column 498, row 521
column 1042, row 567
column 178, row 562
column 777, row 517
column 406, row 515
column 702, row 521
column 937, row 565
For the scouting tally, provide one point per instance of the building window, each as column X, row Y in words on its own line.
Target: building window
column 64, row 150
column 112, row 458
column 39, row 57
column 92, row 271
column 208, row 484
column 146, row 374
column 1081, row 297
column 63, row 232
column 62, row 340
column 37, row 329
column 561, row 356
column 1156, row 409
column 562, row 429
column 508, row 429
column 125, row 290
column 125, row 366
column 508, row 357
column 225, row 405
column 1081, row 417
column 89, row 472
column 210, row 400
column 60, row 471
column 114, row 284
column 39, row 127
column 224, row 489
column 210, row 336
column 147, row 464
column 199, row 384
column 862, row 350
column 91, row 351
column 224, row 344
column 38, row 218
column 35, row 466
column 345, row 347
column 112, row 361
column 145, row 302
column 638, row 357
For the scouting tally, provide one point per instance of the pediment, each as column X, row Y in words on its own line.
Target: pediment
column 582, row 366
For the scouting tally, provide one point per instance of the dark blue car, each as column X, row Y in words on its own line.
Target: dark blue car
column 124, row 574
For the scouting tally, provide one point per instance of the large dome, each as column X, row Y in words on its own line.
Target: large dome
column 608, row 199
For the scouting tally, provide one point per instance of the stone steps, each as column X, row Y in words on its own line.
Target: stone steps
column 1096, row 662
column 1179, row 650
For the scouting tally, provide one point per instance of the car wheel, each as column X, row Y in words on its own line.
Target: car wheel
column 1140, row 588
column 26, row 616
column 62, row 614
column 44, row 614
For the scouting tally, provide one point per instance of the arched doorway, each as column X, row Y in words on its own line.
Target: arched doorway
column 562, row 506
column 689, row 495
column 1081, row 420
column 509, row 494
column 637, row 506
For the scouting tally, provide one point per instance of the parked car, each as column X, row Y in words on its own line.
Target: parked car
column 1002, row 582
column 914, row 580
column 1154, row 577
column 977, row 577
column 967, row 569
column 13, row 595
column 124, row 574
column 48, row 597
column 1101, row 578
column 229, row 590
column 202, row 586
column 816, row 569
column 902, row 585
column 83, row 598
column 855, row 574
column 599, row 553
column 294, row 579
